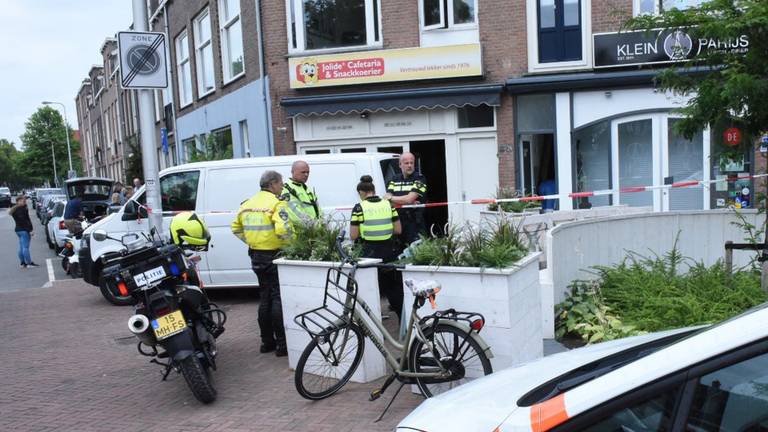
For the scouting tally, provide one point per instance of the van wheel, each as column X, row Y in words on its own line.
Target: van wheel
column 114, row 298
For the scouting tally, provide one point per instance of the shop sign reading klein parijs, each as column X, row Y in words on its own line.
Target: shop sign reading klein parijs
column 365, row 67
column 658, row 46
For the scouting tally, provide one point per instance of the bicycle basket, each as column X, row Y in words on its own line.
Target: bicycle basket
column 338, row 306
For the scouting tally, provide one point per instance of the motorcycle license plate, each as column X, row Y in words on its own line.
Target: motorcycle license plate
column 146, row 278
column 168, row 325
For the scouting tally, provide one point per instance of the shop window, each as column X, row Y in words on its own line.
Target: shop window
column 317, row 151
column 685, row 164
column 475, row 117
column 592, row 164
column 536, row 112
column 353, row 150
column 437, row 14
column 331, row 24
column 657, row 6
column 189, row 147
column 221, row 147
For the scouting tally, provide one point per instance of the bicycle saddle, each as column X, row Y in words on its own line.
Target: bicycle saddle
column 423, row 288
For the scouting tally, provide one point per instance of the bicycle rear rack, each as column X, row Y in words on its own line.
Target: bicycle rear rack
column 338, row 305
column 452, row 314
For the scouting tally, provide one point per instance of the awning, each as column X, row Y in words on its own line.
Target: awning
column 394, row 100
column 588, row 80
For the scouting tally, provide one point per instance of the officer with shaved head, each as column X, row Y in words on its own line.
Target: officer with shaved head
column 409, row 187
column 302, row 200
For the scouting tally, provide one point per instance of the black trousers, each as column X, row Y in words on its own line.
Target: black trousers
column 390, row 280
column 270, row 307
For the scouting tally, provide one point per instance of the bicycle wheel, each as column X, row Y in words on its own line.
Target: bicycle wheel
column 324, row 367
column 456, row 351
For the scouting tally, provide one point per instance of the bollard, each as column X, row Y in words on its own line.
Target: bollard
column 729, row 258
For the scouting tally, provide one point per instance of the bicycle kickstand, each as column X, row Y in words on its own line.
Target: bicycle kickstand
column 390, row 403
column 375, row 394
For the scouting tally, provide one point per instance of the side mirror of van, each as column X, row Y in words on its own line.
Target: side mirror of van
column 99, row 235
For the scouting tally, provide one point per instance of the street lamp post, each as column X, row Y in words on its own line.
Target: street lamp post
column 66, row 129
column 55, row 174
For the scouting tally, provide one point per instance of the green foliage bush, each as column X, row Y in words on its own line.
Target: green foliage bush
column 497, row 244
column 646, row 294
column 512, row 206
column 315, row 240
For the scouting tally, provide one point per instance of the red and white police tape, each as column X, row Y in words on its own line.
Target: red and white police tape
column 569, row 195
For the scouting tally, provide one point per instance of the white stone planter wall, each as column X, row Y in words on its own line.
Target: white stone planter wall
column 509, row 299
column 302, row 287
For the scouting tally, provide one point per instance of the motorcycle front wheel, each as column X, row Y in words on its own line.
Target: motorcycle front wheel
column 198, row 379
column 112, row 297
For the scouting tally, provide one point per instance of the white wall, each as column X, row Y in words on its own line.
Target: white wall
column 574, row 247
column 595, row 105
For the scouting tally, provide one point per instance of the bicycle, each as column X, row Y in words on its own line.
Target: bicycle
column 439, row 352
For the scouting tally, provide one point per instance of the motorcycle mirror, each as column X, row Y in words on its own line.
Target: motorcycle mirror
column 99, row 235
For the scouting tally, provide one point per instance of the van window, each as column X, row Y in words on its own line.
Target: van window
column 179, row 191
column 390, row 168
column 229, row 187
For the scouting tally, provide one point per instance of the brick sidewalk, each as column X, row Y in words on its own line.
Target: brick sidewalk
column 68, row 362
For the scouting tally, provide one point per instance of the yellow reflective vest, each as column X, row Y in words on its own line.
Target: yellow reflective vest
column 302, row 201
column 262, row 222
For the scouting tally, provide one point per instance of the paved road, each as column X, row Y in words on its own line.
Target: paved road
column 68, row 363
column 15, row 278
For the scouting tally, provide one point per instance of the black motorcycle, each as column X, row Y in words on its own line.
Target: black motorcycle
column 175, row 323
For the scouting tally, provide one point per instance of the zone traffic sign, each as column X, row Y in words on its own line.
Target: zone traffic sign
column 142, row 60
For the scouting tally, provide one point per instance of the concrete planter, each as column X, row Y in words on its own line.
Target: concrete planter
column 509, row 299
column 302, row 287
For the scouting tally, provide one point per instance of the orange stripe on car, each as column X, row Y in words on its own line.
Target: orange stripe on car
column 548, row 414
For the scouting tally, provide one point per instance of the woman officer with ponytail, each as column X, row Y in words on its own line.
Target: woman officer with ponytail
column 374, row 223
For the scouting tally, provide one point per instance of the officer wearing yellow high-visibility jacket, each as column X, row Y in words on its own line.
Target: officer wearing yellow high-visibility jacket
column 302, row 201
column 262, row 222
column 374, row 224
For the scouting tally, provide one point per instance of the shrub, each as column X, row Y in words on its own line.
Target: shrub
column 315, row 240
column 584, row 314
column 495, row 245
column 510, row 206
column 650, row 294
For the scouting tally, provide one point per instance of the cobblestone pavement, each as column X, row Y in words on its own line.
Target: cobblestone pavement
column 68, row 362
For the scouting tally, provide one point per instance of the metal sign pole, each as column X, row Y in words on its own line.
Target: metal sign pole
column 147, row 134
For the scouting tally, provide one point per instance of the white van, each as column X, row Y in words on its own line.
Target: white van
column 215, row 190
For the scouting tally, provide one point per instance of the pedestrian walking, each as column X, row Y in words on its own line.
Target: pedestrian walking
column 20, row 214
column 409, row 187
column 374, row 224
column 262, row 222
column 302, row 200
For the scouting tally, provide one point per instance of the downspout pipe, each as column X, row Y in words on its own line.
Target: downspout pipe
column 264, row 77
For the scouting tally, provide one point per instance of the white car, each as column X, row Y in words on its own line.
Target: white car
column 56, row 231
column 705, row 379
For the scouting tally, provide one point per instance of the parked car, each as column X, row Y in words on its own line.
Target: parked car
column 215, row 190
column 49, row 203
column 56, row 232
column 40, row 196
column 705, row 379
column 5, row 197
column 94, row 193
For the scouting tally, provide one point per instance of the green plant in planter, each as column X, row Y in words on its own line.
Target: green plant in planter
column 495, row 245
column 512, row 207
column 315, row 240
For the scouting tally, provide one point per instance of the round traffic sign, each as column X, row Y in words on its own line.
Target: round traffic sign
column 732, row 136
column 143, row 60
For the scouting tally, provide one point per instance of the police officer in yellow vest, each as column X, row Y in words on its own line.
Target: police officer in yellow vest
column 302, row 201
column 262, row 222
column 374, row 223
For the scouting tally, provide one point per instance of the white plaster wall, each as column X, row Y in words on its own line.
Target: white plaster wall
column 595, row 105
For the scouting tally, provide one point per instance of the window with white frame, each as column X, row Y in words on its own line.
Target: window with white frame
column 183, row 69
column 657, row 6
column 446, row 14
column 333, row 24
column 232, row 58
column 558, row 34
column 204, row 54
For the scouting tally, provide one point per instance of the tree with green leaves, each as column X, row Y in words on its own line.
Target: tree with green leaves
column 134, row 167
column 43, row 141
column 11, row 172
column 727, row 87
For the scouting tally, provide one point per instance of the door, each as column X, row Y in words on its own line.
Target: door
column 479, row 173
column 648, row 152
column 559, row 25
column 430, row 161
